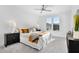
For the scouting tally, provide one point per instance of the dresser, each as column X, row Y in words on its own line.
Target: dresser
column 11, row 38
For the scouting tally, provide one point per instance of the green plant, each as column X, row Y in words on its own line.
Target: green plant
column 76, row 21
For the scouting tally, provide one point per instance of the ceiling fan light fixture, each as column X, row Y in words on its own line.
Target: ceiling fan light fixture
column 44, row 9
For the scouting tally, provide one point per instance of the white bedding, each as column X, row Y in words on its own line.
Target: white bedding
column 43, row 40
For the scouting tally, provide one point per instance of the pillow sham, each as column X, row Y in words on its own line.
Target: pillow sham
column 24, row 30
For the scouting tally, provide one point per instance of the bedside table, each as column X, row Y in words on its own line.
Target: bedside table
column 11, row 38
column 73, row 46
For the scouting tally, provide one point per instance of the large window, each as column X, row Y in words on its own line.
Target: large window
column 53, row 23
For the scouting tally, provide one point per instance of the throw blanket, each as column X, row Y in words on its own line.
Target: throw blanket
column 34, row 37
column 41, row 33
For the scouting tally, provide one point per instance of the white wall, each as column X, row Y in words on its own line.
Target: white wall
column 22, row 17
column 65, row 23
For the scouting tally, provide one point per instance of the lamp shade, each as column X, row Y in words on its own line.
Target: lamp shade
column 12, row 25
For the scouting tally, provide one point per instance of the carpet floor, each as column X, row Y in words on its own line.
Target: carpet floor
column 57, row 46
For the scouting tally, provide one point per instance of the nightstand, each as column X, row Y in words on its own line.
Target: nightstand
column 11, row 38
column 72, row 43
column 73, row 46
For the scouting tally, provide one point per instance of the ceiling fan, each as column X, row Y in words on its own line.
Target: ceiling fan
column 44, row 8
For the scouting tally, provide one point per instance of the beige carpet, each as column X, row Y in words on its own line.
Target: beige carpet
column 57, row 46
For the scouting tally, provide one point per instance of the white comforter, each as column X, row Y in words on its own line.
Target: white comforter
column 43, row 40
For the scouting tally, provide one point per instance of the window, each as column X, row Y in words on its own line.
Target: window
column 53, row 23
column 48, row 26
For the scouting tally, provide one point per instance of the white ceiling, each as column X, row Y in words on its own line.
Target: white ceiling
column 55, row 9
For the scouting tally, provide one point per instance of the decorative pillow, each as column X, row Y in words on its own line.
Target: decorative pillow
column 24, row 30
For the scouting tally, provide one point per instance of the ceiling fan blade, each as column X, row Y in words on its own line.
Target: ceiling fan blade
column 48, row 10
column 38, row 9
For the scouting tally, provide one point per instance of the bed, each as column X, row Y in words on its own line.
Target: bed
column 37, row 40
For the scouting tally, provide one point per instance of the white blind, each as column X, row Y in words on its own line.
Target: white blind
column 53, row 20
